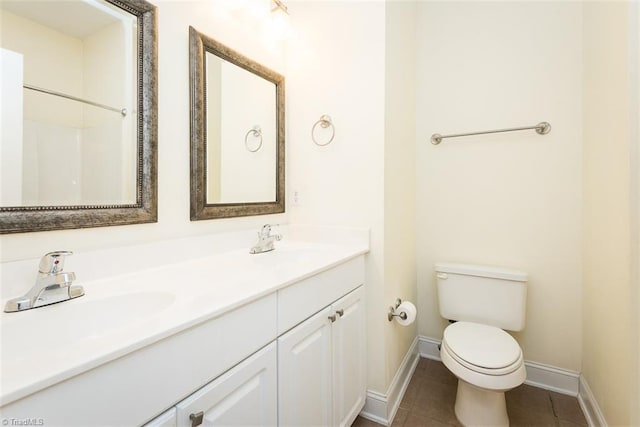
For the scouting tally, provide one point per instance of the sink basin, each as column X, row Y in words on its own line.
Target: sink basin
column 64, row 324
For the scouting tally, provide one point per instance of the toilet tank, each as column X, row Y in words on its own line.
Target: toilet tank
column 488, row 295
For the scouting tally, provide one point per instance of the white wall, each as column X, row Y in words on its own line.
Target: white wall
column 342, row 75
column 174, row 19
column 510, row 199
column 611, row 210
column 399, row 174
column 366, row 176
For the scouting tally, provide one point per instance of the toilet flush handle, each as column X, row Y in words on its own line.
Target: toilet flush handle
column 442, row 276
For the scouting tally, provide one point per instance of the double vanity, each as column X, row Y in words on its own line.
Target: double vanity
column 194, row 331
column 213, row 329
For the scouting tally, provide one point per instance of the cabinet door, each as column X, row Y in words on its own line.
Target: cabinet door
column 304, row 373
column 246, row 395
column 349, row 367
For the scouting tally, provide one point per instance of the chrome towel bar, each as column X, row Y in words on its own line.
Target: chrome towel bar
column 122, row 111
column 541, row 128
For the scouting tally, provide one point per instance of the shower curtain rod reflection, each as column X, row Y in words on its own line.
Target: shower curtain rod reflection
column 541, row 128
column 122, row 111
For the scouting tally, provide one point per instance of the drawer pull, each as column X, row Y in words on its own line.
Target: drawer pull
column 333, row 318
column 196, row 419
column 340, row 312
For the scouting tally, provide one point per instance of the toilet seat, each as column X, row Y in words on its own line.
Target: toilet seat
column 482, row 348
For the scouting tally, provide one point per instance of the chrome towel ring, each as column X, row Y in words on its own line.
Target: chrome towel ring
column 256, row 132
column 324, row 122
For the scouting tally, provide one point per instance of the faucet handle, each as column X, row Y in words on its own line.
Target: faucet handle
column 53, row 262
column 265, row 231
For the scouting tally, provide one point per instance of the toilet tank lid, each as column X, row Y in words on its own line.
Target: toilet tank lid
column 481, row 271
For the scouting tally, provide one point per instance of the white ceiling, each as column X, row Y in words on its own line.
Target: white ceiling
column 76, row 18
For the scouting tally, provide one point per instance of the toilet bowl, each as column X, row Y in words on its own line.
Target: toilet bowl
column 482, row 302
column 487, row 362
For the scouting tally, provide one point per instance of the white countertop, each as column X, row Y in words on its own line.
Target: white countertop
column 178, row 284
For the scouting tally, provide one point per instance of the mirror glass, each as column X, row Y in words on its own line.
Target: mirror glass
column 237, row 133
column 241, row 134
column 78, row 125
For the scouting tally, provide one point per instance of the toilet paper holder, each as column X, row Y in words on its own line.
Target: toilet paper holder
column 392, row 311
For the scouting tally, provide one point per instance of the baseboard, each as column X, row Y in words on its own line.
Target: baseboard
column 429, row 347
column 375, row 408
column 382, row 408
column 538, row 375
column 590, row 406
column 552, row 378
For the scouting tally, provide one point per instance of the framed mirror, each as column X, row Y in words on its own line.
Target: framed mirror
column 78, row 97
column 237, row 133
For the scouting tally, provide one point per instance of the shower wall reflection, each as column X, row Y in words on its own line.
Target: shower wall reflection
column 56, row 149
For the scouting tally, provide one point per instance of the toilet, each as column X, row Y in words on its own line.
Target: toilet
column 482, row 302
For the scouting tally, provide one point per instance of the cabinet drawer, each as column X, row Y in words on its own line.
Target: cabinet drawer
column 302, row 299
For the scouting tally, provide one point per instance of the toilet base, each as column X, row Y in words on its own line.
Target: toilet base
column 480, row 407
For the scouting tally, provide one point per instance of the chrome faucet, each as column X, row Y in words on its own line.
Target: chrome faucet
column 265, row 240
column 52, row 285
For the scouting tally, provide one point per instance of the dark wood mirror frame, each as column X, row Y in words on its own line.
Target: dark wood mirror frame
column 199, row 44
column 45, row 218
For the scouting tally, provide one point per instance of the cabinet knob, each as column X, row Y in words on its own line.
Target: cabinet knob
column 333, row 318
column 340, row 312
column 196, row 419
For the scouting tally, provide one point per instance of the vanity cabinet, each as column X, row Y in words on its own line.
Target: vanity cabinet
column 293, row 355
column 313, row 374
column 321, row 366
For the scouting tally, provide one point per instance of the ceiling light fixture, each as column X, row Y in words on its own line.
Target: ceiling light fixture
column 280, row 24
column 279, row 6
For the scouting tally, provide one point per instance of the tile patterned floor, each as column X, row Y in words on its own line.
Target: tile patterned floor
column 431, row 394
